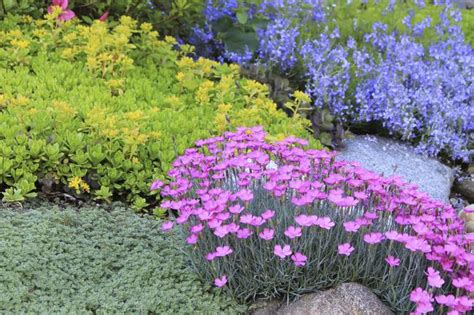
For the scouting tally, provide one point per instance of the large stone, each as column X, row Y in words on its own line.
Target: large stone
column 466, row 188
column 347, row 299
column 390, row 157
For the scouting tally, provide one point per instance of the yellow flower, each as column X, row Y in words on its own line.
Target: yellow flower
column 75, row 183
column 301, row 96
column 146, row 27
column 85, row 187
column 20, row 43
column 170, row 40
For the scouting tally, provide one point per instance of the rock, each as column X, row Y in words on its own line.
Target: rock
column 465, row 4
column 467, row 214
column 265, row 307
column 390, row 157
column 347, row 299
column 465, row 187
column 469, row 227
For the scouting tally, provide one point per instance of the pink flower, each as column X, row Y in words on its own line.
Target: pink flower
column 345, row 249
column 448, row 300
column 245, row 195
column 221, row 231
column 210, row 256
column 192, row 239
column 243, row 233
column 220, row 282
column 373, row 238
column 434, row 279
column 304, row 220
column 268, row 214
column 246, row 219
column 197, row 228
column 267, row 234
column 293, row 232
column 236, row 209
column 325, row 223
column 157, row 184
column 104, row 16
column 299, row 259
column 461, row 282
column 232, row 227
column 282, row 252
column 392, row 235
column 257, row 221
column 392, row 261
column 222, row 251
column 351, row 226
column 420, row 295
column 66, row 14
column 166, row 226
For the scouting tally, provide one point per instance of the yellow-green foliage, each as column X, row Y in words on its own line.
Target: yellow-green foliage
column 101, row 111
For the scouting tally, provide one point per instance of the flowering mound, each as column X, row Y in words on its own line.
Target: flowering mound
column 275, row 219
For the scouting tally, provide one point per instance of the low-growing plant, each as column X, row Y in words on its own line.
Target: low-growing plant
column 99, row 111
column 169, row 17
column 312, row 43
column 264, row 219
column 93, row 261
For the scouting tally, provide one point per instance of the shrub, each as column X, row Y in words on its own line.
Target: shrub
column 88, row 109
column 316, row 51
column 277, row 219
column 96, row 262
column 170, row 17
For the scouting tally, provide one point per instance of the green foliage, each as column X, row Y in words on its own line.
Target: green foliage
column 169, row 17
column 99, row 112
column 96, row 262
column 356, row 18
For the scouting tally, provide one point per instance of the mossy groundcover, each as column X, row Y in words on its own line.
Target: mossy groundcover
column 89, row 260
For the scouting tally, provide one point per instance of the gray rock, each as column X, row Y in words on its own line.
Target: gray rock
column 388, row 157
column 465, row 4
column 347, row 299
column 265, row 307
column 466, row 188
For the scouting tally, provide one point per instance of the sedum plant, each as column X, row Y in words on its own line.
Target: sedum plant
column 269, row 219
column 99, row 111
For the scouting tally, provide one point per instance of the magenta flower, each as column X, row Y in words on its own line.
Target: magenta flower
column 351, row 226
column 157, row 184
column 448, row 300
column 166, row 226
column 236, row 209
column 66, row 14
column 267, row 234
column 293, row 232
column 243, row 233
column 325, row 223
column 282, row 252
column 222, row 251
column 245, row 195
column 220, row 282
column 221, row 231
column 345, row 249
column 392, row 261
column 197, row 228
column 104, row 16
column 192, row 239
column 257, row 221
column 268, row 214
column 434, row 279
column 373, row 238
column 304, row 220
column 210, row 256
column 299, row 259
column 462, row 282
column 246, row 219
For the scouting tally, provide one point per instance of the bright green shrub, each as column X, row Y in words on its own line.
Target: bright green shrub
column 93, row 261
column 105, row 111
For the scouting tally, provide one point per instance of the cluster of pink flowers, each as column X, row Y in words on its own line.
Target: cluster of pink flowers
column 219, row 187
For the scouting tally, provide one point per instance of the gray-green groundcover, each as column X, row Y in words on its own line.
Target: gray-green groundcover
column 94, row 261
